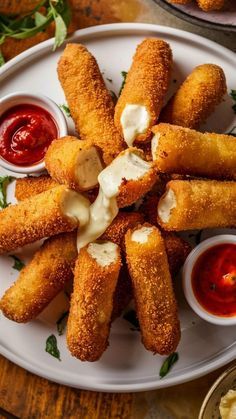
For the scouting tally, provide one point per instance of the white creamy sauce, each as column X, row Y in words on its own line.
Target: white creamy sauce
column 166, row 204
column 88, row 168
column 134, row 120
column 154, row 144
column 104, row 253
column 74, row 205
column 141, row 235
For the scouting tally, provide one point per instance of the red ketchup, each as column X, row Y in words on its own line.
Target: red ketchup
column 26, row 131
column 214, row 280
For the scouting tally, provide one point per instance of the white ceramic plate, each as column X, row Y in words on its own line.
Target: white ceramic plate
column 126, row 365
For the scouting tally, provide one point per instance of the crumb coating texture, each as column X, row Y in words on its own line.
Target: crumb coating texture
column 209, row 5
column 147, row 81
column 201, row 204
column 90, row 102
column 34, row 219
column 188, row 152
column 153, row 292
column 91, row 306
column 27, row 187
column 196, row 98
column 42, row 279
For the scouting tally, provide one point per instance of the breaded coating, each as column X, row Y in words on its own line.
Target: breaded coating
column 41, row 280
column 197, row 204
column 188, row 152
column 177, row 250
column 209, row 5
column 74, row 163
column 90, row 102
column 29, row 186
column 35, row 218
column 196, row 98
column 146, row 84
column 96, row 274
column 153, row 291
column 179, row 1
column 120, row 225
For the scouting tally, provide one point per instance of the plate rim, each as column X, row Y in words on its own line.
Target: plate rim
column 22, row 59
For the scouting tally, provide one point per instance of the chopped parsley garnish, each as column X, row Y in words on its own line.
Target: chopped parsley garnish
column 4, row 181
column 124, row 75
column 233, row 96
column 131, row 317
column 65, row 109
column 110, row 80
column 2, row 60
column 51, row 347
column 17, row 27
column 168, row 364
column 18, row 264
column 114, row 97
column 61, row 323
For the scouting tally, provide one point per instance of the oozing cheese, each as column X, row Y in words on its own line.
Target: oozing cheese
column 74, row 205
column 154, row 145
column 88, row 168
column 141, row 235
column 165, row 206
column 104, row 253
column 135, row 119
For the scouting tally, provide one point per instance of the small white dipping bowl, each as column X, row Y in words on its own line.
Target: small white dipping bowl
column 187, row 279
column 24, row 98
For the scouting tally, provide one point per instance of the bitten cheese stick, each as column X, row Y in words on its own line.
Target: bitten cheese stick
column 42, row 279
column 96, row 273
column 74, row 163
column 209, row 5
column 27, row 187
column 52, row 212
column 141, row 99
column 153, row 292
column 196, row 98
column 188, row 152
column 90, row 102
column 197, row 204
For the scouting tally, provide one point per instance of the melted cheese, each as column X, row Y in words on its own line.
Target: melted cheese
column 88, row 168
column 165, row 206
column 135, row 119
column 154, row 145
column 104, row 253
column 141, row 235
column 74, row 205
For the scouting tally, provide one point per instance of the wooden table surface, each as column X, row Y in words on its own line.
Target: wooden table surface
column 24, row 395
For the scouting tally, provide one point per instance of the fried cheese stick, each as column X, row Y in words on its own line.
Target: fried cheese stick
column 90, row 102
column 196, row 98
column 209, row 5
column 44, row 215
column 188, row 152
column 27, row 187
column 96, row 273
column 74, row 163
column 197, row 204
column 42, row 279
column 153, row 292
column 141, row 99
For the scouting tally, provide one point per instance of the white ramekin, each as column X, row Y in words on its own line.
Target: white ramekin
column 23, row 98
column 187, row 281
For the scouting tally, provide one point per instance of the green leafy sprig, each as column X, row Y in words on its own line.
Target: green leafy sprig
column 51, row 347
column 4, row 181
column 18, row 264
column 168, row 363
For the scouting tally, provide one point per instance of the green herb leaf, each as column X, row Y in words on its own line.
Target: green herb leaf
column 131, row 317
column 168, row 363
column 124, row 75
column 61, row 323
column 65, row 109
column 39, row 19
column 114, row 97
column 51, row 347
column 4, row 181
column 2, row 60
column 18, row 264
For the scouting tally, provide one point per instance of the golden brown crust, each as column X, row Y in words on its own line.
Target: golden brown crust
column 147, row 81
column 41, row 280
column 209, row 5
column 177, row 250
column 91, row 306
column 90, row 102
column 27, row 187
column 201, row 204
column 33, row 219
column 120, row 225
column 196, row 98
column 179, row 1
column 153, row 292
column 188, row 152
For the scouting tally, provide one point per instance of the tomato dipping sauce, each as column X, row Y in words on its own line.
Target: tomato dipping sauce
column 26, row 131
column 214, row 280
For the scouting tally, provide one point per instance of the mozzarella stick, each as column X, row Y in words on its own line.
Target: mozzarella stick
column 188, row 152
column 209, row 5
column 177, row 250
column 120, row 225
column 41, row 280
column 74, row 163
column 196, row 98
column 96, row 273
column 153, row 292
column 52, row 212
column 141, row 99
column 197, row 204
column 90, row 102
column 27, row 187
